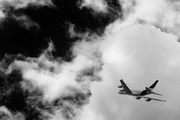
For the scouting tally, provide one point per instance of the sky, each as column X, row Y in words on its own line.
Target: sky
column 62, row 60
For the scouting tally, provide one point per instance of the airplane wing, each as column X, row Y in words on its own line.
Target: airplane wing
column 127, row 90
column 154, row 84
column 149, row 98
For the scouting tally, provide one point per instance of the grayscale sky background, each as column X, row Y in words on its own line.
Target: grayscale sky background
column 140, row 45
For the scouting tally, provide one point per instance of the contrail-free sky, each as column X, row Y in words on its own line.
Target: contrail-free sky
column 63, row 59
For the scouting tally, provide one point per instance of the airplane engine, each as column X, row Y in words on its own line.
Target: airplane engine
column 121, row 90
column 148, row 99
column 138, row 98
column 120, row 86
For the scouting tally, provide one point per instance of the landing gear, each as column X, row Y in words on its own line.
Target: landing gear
column 138, row 98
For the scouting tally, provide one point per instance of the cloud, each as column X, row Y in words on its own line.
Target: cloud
column 139, row 54
column 103, row 8
column 139, row 48
column 25, row 21
column 163, row 13
column 8, row 8
column 96, row 5
column 17, row 4
column 7, row 115
column 50, row 87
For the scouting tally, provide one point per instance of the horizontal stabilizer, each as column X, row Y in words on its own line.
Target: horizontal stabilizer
column 156, row 93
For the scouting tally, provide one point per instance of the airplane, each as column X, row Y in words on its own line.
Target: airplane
column 139, row 93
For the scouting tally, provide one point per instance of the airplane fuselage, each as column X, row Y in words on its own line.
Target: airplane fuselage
column 136, row 93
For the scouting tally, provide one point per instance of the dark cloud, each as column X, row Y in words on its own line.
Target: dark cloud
column 29, row 101
column 26, row 29
column 54, row 83
column 25, row 98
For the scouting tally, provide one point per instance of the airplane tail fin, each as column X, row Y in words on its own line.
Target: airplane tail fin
column 153, row 85
column 149, row 89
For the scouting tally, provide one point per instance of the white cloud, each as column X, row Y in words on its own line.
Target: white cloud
column 96, row 5
column 139, row 54
column 23, row 20
column 161, row 13
column 68, row 83
column 17, row 4
column 53, row 76
column 7, row 115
